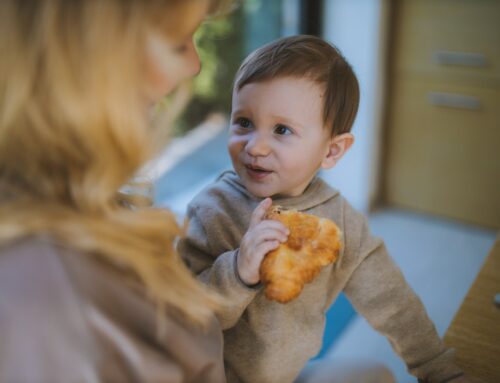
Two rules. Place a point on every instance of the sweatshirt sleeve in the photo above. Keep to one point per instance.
(379, 292)
(200, 249)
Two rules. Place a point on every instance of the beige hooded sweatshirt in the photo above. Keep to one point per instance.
(269, 342)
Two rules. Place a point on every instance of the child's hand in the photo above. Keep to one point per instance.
(261, 237)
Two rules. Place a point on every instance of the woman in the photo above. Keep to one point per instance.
(91, 290)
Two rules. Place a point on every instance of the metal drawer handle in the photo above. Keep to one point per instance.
(451, 100)
(459, 58)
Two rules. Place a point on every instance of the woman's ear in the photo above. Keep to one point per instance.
(339, 145)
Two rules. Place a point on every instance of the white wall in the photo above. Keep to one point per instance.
(358, 29)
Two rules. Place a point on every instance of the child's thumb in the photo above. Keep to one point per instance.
(260, 211)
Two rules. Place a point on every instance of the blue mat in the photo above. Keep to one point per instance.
(338, 316)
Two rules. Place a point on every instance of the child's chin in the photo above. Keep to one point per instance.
(259, 190)
(256, 192)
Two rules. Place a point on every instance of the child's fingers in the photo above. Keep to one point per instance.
(270, 223)
(260, 211)
(249, 269)
(266, 247)
(270, 232)
(271, 229)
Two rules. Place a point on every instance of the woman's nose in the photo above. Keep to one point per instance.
(258, 145)
(194, 62)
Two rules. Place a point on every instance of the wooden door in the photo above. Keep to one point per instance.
(443, 151)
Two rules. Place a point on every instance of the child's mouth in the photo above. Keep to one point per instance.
(256, 172)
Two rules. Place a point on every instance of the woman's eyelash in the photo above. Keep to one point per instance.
(181, 49)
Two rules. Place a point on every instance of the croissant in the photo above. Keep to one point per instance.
(312, 244)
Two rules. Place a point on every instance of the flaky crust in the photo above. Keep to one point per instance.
(312, 244)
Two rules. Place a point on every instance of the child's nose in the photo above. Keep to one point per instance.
(258, 145)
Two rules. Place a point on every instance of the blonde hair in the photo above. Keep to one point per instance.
(73, 130)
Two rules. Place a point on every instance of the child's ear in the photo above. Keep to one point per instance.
(339, 145)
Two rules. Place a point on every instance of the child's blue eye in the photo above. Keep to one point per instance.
(282, 130)
(243, 122)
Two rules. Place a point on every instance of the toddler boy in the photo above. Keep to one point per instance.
(294, 103)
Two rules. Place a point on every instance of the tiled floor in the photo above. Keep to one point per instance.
(440, 259)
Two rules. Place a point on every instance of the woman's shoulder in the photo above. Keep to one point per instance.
(27, 244)
(34, 277)
(36, 258)
(42, 315)
(72, 311)
(37, 266)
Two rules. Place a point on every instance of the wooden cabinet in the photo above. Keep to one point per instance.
(443, 152)
(453, 40)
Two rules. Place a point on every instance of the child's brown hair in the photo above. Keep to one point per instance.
(309, 57)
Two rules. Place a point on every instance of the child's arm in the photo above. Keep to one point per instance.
(232, 272)
(380, 293)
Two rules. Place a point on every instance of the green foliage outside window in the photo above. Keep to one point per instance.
(220, 47)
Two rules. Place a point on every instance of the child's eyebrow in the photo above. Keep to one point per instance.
(239, 111)
(287, 120)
